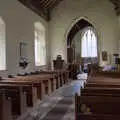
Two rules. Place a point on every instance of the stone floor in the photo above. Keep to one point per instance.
(58, 106)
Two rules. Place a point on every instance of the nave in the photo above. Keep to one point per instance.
(60, 105)
(45, 45)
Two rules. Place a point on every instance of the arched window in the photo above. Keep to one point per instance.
(89, 44)
(2, 44)
(40, 44)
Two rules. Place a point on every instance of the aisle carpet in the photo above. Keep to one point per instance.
(59, 110)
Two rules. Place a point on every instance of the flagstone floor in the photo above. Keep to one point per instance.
(58, 106)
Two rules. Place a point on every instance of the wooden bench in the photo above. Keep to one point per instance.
(107, 74)
(62, 76)
(56, 79)
(100, 91)
(30, 88)
(26, 85)
(110, 85)
(45, 79)
(103, 86)
(80, 116)
(13, 100)
(104, 79)
(101, 97)
(5, 108)
(97, 105)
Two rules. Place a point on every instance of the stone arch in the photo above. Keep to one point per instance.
(79, 24)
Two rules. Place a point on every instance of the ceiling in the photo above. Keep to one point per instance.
(44, 7)
(41, 7)
(117, 6)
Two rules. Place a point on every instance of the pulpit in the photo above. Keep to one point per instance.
(58, 63)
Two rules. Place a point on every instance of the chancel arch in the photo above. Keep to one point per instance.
(82, 42)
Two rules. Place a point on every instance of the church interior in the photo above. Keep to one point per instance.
(59, 59)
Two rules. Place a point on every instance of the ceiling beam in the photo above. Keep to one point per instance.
(54, 4)
(37, 9)
(42, 7)
(117, 6)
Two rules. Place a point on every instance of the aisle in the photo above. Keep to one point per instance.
(59, 110)
(58, 106)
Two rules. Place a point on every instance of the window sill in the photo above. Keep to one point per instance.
(40, 65)
(1, 70)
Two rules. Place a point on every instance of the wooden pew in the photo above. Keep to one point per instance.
(10, 98)
(80, 116)
(17, 103)
(55, 81)
(100, 81)
(103, 79)
(35, 79)
(62, 76)
(99, 106)
(99, 91)
(49, 81)
(5, 108)
(30, 88)
(101, 95)
(31, 85)
(45, 80)
(65, 75)
(111, 74)
(99, 87)
(103, 83)
(56, 75)
(22, 85)
(108, 85)
(115, 74)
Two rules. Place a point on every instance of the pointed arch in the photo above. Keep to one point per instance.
(80, 24)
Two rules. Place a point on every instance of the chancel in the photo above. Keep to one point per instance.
(59, 59)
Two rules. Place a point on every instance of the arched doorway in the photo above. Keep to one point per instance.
(87, 43)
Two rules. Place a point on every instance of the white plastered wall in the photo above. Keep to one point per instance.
(19, 28)
(100, 14)
(119, 33)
